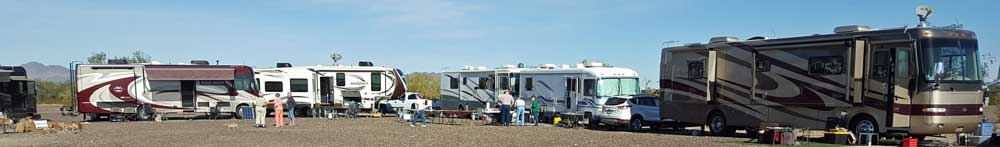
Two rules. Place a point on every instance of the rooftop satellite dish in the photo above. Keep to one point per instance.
(335, 57)
(924, 12)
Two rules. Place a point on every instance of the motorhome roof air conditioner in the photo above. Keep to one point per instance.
(365, 63)
(549, 66)
(723, 39)
(851, 28)
(280, 65)
(199, 62)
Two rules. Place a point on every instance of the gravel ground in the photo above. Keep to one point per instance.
(353, 132)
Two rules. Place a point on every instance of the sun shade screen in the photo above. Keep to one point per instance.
(189, 73)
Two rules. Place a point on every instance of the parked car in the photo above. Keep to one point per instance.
(631, 112)
(406, 102)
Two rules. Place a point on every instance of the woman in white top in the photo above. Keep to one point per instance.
(519, 103)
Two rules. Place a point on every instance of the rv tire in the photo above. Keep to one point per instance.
(718, 126)
(239, 111)
(863, 124)
(144, 112)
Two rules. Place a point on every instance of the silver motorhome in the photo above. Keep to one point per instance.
(921, 81)
(561, 89)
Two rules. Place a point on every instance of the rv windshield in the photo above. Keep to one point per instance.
(959, 60)
(617, 87)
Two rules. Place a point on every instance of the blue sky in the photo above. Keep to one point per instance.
(436, 35)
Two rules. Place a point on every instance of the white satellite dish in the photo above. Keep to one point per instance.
(924, 11)
(335, 57)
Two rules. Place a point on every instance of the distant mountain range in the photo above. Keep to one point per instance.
(41, 72)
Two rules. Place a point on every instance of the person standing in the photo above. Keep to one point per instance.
(535, 109)
(279, 111)
(260, 112)
(519, 103)
(421, 114)
(505, 101)
(291, 109)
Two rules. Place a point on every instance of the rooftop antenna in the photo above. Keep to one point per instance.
(924, 12)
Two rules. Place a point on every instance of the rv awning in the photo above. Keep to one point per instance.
(189, 73)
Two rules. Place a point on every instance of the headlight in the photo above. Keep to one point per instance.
(934, 110)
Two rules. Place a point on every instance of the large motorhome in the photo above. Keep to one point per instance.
(17, 93)
(920, 81)
(313, 86)
(143, 90)
(564, 89)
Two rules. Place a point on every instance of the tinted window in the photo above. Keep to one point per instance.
(413, 97)
(272, 86)
(696, 70)
(529, 84)
(340, 79)
(299, 85)
(614, 101)
(376, 81)
(453, 83)
(828, 65)
(648, 101)
(589, 87)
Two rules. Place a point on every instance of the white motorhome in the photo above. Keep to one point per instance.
(142, 90)
(579, 89)
(313, 86)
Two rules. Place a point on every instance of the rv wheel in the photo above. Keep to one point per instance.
(240, 111)
(144, 112)
(863, 124)
(717, 125)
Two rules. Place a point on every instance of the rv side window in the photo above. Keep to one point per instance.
(570, 84)
(272, 86)
(529, 84)
(903, 62)
(299, 85)
(453, 83)
(589, 87)
(484, 83)
(340, 79)
(880, 66)
(826, 65)
(376, 81)
(696, 70)
(212, 82)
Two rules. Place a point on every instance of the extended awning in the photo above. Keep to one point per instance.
(181, 73)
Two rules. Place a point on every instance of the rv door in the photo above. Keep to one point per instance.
(710, 70)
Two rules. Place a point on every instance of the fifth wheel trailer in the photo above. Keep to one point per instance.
(142, 90)
(324, 85)
(17, 93)
(920, 81)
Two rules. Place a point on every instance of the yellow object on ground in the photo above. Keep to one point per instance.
(556, 120)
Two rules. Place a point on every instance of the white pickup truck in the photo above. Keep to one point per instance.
(406, 102)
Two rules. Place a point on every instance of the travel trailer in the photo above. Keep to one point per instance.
(142, 90)
(323, 85)
(920, 81)
(580, 89)
(17, 93)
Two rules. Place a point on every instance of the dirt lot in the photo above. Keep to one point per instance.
(354, 132)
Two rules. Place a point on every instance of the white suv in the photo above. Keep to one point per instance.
(406, 102)
(633, 112)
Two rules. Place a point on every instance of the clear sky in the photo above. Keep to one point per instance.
(437, 35)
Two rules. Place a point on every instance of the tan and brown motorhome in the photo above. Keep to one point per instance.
(920, 81)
